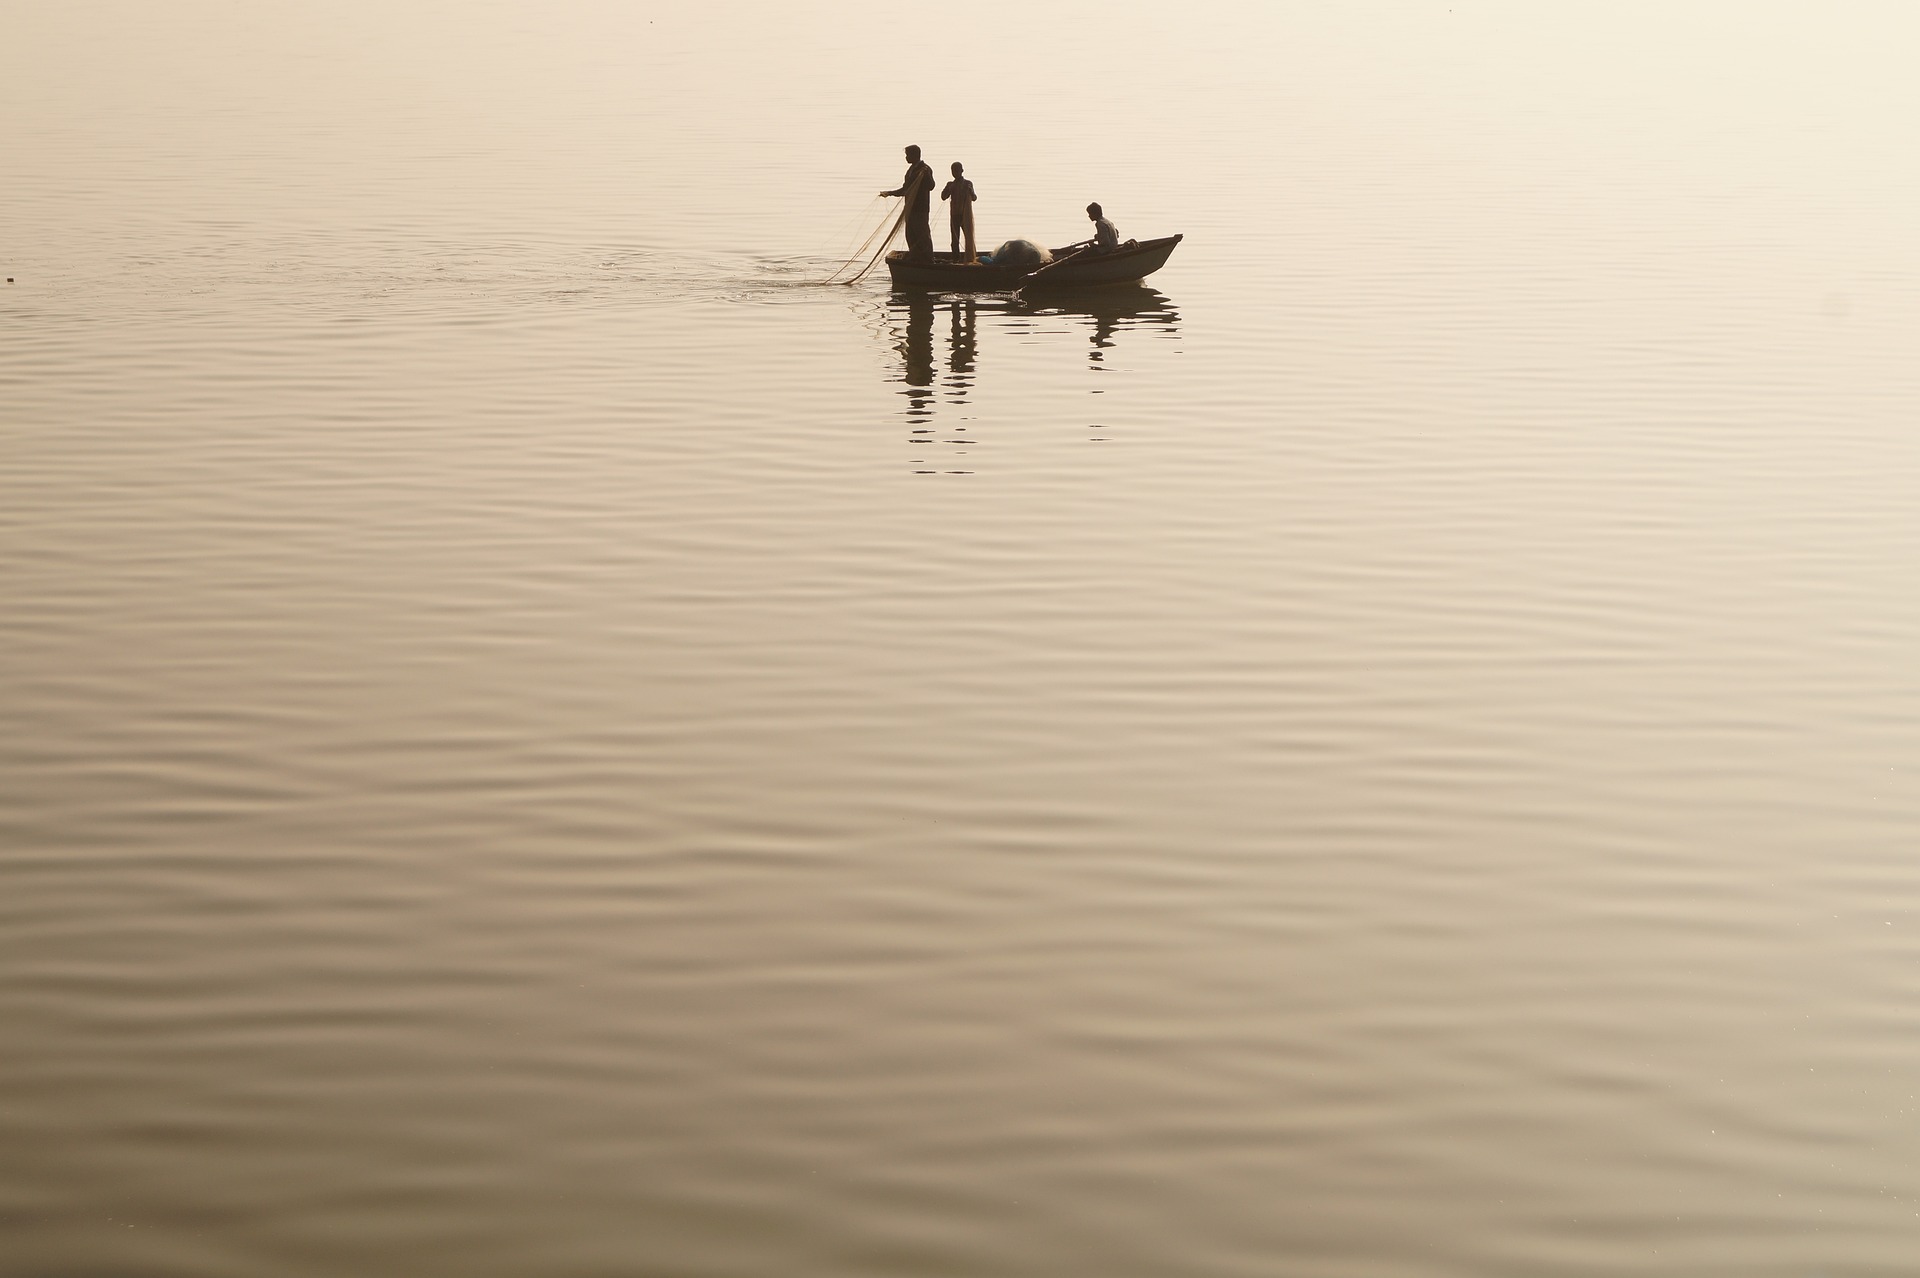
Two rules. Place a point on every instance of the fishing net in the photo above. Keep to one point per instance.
(890, 224)
(1021, 253)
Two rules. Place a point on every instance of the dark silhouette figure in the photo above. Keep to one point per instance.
(1106, 238)
(917, 190)
(960, 212)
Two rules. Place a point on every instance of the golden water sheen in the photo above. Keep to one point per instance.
(539, 742)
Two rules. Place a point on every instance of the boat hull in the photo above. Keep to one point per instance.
(951, 273)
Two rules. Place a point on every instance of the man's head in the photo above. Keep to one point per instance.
(1093, 212)
(913, 155)
(957, 170)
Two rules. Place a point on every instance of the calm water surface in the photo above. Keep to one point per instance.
(540, 741)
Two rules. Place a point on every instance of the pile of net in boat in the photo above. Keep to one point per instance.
(1020, 253)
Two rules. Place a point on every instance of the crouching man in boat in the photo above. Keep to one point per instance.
(917, 190)
(1106, 237)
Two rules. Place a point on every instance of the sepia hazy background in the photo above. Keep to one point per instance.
(539, 741)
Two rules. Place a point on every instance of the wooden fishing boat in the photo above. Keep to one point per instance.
(952, 273)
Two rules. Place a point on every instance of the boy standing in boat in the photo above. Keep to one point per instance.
(960, 213)
(917, 190)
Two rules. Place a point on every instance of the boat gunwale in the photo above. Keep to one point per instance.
(945, 272)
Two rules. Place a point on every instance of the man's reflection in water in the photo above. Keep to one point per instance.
(962, 340)
(1103, 327)
(917, 349)
(1107, 312)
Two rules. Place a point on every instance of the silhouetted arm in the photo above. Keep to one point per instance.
(907, 187)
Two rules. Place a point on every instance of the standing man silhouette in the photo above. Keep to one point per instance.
(917, 190)
(960, 212)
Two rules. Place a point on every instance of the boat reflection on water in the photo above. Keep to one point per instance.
(1108, 311)
(912, 319)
